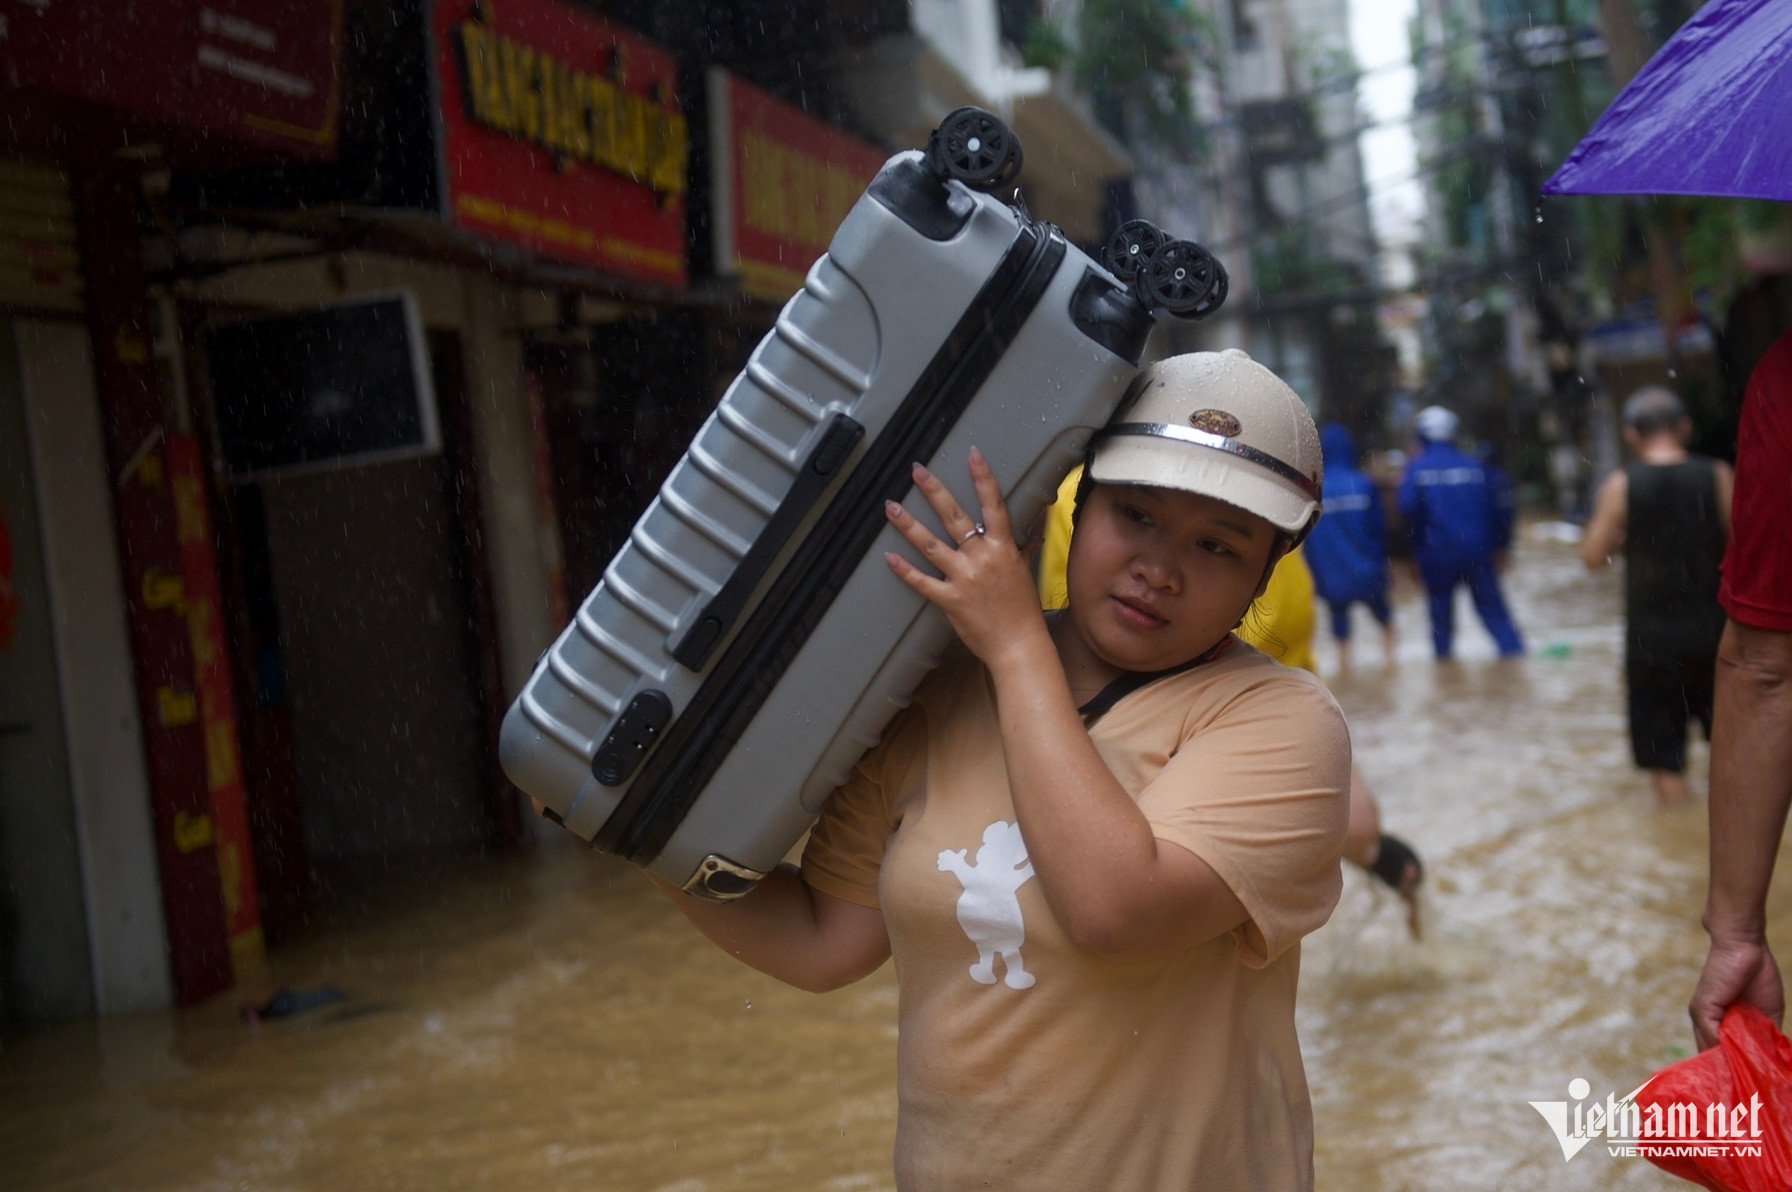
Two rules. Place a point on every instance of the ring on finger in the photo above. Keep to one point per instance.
(976, 531)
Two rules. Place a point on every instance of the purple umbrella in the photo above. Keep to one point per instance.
(1711, 114)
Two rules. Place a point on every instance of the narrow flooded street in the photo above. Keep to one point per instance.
(546, 1021)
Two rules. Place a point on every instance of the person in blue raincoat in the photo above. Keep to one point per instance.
(1348, 550)
(1505, 497)
(1461, 526)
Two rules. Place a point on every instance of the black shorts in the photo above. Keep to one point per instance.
(1667, 688)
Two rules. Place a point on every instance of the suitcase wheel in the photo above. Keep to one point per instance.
(1183, 278)
(976, 148)
(1217, 298)
(1131, 246)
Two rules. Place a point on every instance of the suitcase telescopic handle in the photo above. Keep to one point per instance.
(696, 643)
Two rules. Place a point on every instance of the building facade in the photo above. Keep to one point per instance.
(344, 342)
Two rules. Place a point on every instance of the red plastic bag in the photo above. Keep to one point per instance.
(1718, 1105)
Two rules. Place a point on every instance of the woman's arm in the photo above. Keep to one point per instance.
(1113, 886)
(787, 929)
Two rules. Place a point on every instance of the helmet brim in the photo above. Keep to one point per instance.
(1162, 463)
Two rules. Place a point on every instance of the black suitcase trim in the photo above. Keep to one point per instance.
(922, 201)
(694, 746)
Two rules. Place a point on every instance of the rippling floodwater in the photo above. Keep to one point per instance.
(546, 1021)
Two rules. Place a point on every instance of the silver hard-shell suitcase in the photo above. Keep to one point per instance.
(748, 643)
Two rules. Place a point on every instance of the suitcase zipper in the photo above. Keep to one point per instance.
(693, 747)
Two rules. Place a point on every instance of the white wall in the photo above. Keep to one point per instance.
(507, 482)
(966, 34)
(116, 837)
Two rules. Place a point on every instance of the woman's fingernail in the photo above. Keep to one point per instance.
(892, 509)
(921, 471)
(976, 456)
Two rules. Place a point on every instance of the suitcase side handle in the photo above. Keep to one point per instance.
(693, 646)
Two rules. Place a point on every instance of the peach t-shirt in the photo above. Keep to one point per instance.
(1026, 1063)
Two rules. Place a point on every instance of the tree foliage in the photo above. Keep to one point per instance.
(1136, 57)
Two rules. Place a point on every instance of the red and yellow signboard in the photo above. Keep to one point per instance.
(562, 134)
(260, 72)
(217, 706)
(209, 898)
(783, 182)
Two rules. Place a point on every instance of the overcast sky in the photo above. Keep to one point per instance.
(1378, 34)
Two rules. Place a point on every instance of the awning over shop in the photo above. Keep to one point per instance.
(188, 81)
(529, 136)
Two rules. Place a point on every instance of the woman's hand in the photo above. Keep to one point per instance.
(985, 587)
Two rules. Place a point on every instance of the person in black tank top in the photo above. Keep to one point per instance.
(1669, 512)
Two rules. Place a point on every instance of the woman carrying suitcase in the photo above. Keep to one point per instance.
(1094, 842)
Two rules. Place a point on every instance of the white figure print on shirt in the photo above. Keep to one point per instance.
(989, 908)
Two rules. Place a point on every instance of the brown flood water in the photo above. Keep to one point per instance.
(546, 1021)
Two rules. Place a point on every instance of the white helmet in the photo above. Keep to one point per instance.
(1436, 424)
(1218, 424)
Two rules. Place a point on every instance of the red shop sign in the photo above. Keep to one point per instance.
(224, 784)
(783, 182)
(262, 72)
(562, 133)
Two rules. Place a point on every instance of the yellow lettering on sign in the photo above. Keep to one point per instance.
(574, 131)
(582, 116)
(792, 195)
(162, 590)
(222, 764)
(193, 832)
(202, 629)
(176, 709)
(519, 89)
(249, 960)
(149, 470)
(230, 876)
(189, 510)
(131, 347)
(475, 68)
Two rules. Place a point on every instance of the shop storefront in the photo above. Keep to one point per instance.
(309, 653)
(385, 606)
(622, 393)
(129, 872)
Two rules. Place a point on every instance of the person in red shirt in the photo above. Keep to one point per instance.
(1751, 738)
